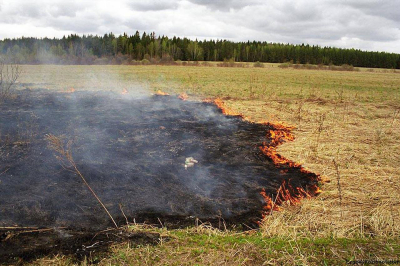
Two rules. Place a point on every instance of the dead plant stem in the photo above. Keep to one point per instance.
(338, 181)
(94, 194)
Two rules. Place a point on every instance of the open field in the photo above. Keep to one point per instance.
(347, 130)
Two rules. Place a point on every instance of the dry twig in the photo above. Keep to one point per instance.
(67, 162)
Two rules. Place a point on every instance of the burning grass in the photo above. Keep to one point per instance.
(286, 193)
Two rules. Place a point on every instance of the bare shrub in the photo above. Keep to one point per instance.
(9, 74)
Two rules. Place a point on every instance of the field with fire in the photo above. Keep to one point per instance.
(200, 164)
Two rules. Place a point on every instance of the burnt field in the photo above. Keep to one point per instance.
(132, 151)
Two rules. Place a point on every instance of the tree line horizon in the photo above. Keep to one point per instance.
(128, 49)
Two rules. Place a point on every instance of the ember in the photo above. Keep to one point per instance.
(132, 153)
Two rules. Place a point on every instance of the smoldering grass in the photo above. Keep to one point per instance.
(64, 156)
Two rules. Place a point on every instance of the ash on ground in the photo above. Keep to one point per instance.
(131, 151)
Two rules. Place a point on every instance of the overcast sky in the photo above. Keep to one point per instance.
(364, 24)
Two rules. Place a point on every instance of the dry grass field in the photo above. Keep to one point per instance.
(347, 129)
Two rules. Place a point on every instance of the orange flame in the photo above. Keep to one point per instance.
(70, 90)
(225, 110)
(183, 96)
(161, 93)
(279, 134)
(289, 195)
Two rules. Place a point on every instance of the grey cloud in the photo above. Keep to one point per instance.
(225, 5)
(32, 11)
(388, 9)
(156, 5)
(64, 10)
(78, 26)
(84, 22)
(364, 23)
(305, 20)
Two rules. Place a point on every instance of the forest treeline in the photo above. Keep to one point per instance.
(149, 48)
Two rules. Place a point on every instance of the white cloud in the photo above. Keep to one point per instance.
(364, 24)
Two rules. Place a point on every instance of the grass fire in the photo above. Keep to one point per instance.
(125, 164)
(133, 152)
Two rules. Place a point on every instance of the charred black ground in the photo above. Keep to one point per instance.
(132, 152)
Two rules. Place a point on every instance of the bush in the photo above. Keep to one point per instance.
(154, 61)
(347, 67)
(229, 63)
(286, 65)
(145, 62)
(166, 60)
(194, 63)
(258, 64)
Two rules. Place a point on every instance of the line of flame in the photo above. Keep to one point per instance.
(183, 96)
(69, 90)
(161, 93)
(279, 134)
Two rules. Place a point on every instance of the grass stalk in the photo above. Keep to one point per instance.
(67, 162)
